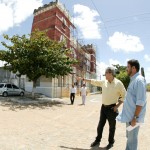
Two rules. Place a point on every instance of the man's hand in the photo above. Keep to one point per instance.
(115, 108)
(133, 122)
(79, 78)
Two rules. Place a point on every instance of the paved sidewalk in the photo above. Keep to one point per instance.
(60, 126)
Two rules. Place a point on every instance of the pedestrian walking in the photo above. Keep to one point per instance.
(83, 93)
(72, 94)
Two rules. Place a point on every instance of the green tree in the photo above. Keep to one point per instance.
(121, 74)
(35, 55)
(148, 87)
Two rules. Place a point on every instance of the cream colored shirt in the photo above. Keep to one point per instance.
(110, 91)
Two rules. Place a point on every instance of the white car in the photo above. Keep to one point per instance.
(10, 89)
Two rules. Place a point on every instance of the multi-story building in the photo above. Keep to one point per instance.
(10, 77)
(56, 21)
(88, 63)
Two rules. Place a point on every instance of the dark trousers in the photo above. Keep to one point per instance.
(107, 113)
(72, 97)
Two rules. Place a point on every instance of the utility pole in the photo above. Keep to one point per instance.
(142, 72)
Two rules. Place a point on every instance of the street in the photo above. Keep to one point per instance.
(60, 127)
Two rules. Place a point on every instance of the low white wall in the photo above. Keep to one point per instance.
(28, 86)
(45, 89)
(45, 84)
(49, 91)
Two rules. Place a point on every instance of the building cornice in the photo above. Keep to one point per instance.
(50, 6)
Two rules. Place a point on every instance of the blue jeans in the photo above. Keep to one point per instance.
(132, 138)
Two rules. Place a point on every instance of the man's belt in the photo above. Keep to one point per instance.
(111, 105)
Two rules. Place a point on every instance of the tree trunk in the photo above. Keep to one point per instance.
(33, 89)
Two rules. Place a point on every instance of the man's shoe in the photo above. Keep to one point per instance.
(95, 143)
(109, 146)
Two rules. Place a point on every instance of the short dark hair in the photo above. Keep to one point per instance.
(135, 63)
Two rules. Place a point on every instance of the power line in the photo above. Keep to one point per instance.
(126, 17)
(124, 22)
(100, 17)
(97, 57)
(112, 20)
(127, 23)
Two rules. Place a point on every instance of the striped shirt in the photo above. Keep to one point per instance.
(136, 95)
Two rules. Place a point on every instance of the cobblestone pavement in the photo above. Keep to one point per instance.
(61, 127)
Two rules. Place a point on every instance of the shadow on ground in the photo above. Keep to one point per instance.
(20, 103)
(93, 148)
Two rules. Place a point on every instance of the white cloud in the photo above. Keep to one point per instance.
(147, 74)
(14, 12)
(147, 57)
(126, 43)
(114, 62)
(2, 63)
(85, 19)
(148, 69)
(101, 67)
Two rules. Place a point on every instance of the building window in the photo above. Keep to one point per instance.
(64, 24)
(73, 53)
(88, 68)
(63, 39)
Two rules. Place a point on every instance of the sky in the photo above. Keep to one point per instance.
(118, 29)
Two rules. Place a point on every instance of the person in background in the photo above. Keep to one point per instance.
(113, 93)
(72, 94)
(83, 82)
(83, 93)
(134, 107)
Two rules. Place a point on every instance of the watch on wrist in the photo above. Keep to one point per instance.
(135, 117)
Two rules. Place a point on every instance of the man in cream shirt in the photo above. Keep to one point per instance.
(113, 93)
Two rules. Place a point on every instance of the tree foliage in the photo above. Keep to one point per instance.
(121, 74)
(148, 87)
(35, 55)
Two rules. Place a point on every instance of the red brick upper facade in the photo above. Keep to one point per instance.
(55, 20)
